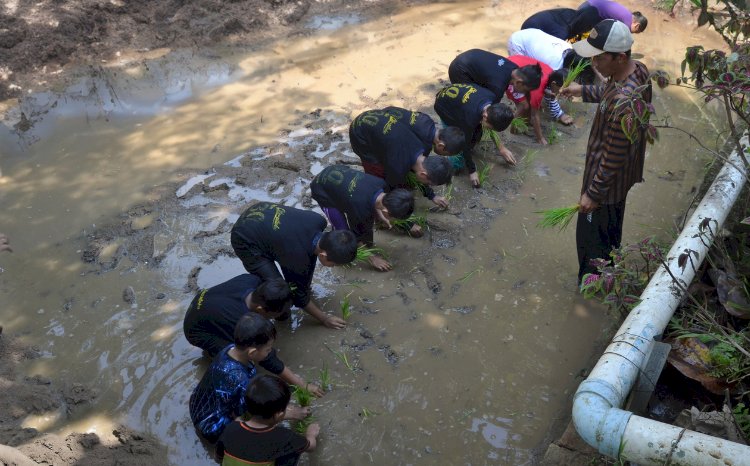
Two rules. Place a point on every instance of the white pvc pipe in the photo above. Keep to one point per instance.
(596, 405)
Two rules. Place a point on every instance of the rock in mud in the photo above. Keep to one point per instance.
(128, 295)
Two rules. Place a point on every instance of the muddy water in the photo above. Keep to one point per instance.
(468, 351)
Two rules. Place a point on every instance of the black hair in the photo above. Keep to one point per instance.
(499, 116)
(531, 75)
(453, 138)
(641, 20)
(558, 77)
(400, 203)
(253, 331)
(439, 170)
(339, 245)
(267, 395)
(274, 296)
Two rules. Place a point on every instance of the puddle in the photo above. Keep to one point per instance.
(331, 23)
(467, 352)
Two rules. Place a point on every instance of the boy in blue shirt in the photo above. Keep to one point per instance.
(220, 395)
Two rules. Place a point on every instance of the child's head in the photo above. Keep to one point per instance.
(450, 141)
(337, 247)
(498, 117)
(556, 80)
(399, 203)
(254, 336)
(272, 299)
(267, 397)
(526, 78)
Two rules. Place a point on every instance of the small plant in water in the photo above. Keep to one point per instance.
(342, 356)
(301, 426)
(483, 172)
(346, 309)
(470, 274)
(524, 164)
(405, 224)
(325, 378)
(559, 218)
(448, 192)
(553, 135)
(302, 396)
(366, 414)
(519, 125)
(364, 253)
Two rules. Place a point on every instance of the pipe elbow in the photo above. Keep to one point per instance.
(597, 416)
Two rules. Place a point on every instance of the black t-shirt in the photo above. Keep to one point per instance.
(563, 23)
(241, 444)
(286, 235)
(378, 137)
(462, 105)
(352, 193)
(489, 70)
(214, 312)
(419, 123)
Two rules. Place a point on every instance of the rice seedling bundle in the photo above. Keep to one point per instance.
(557, 218)
(576, 71)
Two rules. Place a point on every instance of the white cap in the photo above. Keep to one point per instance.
(607, 36)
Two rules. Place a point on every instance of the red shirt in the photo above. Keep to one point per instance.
(537, 95)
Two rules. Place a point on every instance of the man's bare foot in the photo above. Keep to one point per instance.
(296, 413)
(416, 231)
(566, 119)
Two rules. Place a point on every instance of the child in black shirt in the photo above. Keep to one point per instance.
(261, 440)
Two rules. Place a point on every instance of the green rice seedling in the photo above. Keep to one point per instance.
(325, 378)
(470, 274)
(448, 192)
(524, 164)
(420, 220)
(301, 426)
(366, 414)
(559, 218)
(302, 396)
(364, 253)
(553, 135)
(342, 356)
(346, 309)
(576, 71)
(484, 172)
(519, 125)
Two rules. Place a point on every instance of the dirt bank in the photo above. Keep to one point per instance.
(21, 397)
(38, 39)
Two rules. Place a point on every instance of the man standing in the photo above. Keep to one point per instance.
(614, 163)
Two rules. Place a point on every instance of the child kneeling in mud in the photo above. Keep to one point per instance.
(219, 397)
(260, 439)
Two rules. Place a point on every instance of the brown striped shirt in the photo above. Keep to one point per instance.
(613, 163)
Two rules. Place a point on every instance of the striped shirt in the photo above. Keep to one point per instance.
(613, 163)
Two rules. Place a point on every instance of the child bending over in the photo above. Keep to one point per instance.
(220, 395)
(261, 440)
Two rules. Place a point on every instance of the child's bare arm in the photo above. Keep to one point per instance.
(312, 436)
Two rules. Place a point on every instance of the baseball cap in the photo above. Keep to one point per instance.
(607, 36)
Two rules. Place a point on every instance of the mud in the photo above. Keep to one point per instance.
(40, 396)
(119, 211)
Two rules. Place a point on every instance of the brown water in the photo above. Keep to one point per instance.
(479, 370)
